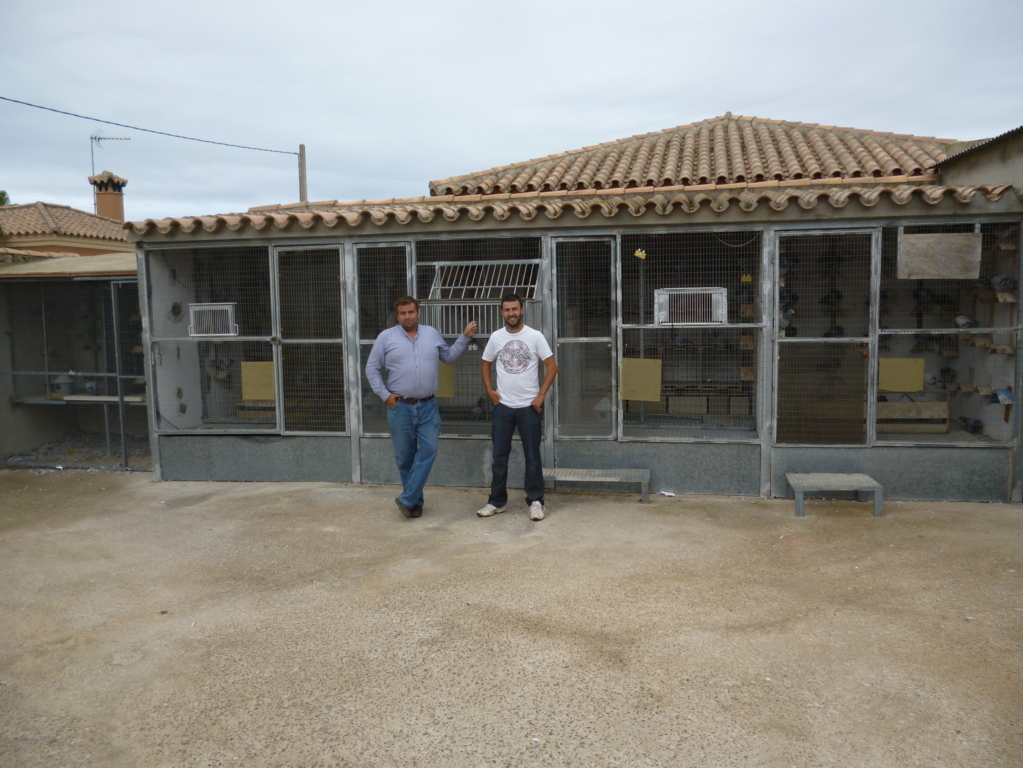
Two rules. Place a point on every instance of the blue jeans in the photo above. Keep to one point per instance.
(503, 423)
(415, 435)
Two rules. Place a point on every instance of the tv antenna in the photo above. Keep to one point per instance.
(95, 141)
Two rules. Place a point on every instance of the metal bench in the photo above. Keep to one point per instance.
(562, 475)
(829, 481)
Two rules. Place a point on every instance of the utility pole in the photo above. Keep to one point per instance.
(303, 194)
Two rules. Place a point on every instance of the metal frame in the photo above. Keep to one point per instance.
(279, 342)
(766, 386)
(613, 243)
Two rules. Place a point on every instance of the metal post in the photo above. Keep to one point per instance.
(116, 310)
(302, 192)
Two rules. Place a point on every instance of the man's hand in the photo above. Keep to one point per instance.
(495, 398)
(470, 329)
(392, 400)
(538, 403)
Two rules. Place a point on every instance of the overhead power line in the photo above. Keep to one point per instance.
(147, 130)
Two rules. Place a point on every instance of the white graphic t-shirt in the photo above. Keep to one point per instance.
(517, 357)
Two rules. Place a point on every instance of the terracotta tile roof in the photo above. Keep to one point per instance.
(806, 194)
(50, 219)
(722, 150)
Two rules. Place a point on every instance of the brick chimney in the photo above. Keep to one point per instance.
(109, 194)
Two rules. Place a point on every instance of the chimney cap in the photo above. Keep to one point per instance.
(108, 182)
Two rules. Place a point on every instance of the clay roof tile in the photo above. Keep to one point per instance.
(718, 150)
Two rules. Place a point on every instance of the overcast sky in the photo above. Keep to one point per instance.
(388, 96)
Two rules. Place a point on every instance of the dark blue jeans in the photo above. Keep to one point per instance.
(415, 434)
(503, 424)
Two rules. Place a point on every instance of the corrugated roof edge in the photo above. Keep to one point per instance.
(978, 145)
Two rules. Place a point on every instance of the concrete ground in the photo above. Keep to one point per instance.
(258, 624)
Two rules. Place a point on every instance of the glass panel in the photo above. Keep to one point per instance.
(944, 388)
(585, 389)
(314, 387)
(707, 386)
(729, 260)
(822, 393)
(310, 294)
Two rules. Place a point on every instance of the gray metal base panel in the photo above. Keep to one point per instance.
(272, 458)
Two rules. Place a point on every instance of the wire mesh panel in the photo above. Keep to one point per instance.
(985, 299)
(822, 393)
(309, 287)
(474, 249)
(131, 365)
(586, 395)
(28, 340)
(312, 308)
(314, 387)
(584, 289)
(215, 385)
(464, 406)
(382, 279)
(585, 353)
(212, 382)
(461, 280)
(179, 279)
(726, 260)
(77, 344)
(706, 386)
(946, 387)
(824, 286)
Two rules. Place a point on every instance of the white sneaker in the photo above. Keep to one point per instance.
(489, 510)
(536, 511)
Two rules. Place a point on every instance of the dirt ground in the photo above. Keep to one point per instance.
(309, 624)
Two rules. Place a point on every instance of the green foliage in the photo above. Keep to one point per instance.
(4, 199)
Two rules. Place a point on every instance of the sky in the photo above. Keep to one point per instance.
(387, 96)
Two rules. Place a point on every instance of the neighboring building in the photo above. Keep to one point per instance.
(49, 228)
(727, 300)
(72, 360)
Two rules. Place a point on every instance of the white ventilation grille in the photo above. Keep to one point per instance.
(472, 290)
(688, 306)
(212, 320)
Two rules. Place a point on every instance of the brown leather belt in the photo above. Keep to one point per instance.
(415, 400)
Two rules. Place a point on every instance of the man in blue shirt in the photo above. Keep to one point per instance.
(406, 355)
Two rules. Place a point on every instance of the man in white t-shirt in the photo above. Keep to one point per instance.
(517, 351)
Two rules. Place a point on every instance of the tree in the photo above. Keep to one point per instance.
(4, 199)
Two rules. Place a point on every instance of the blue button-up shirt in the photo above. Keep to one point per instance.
(410, 367)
